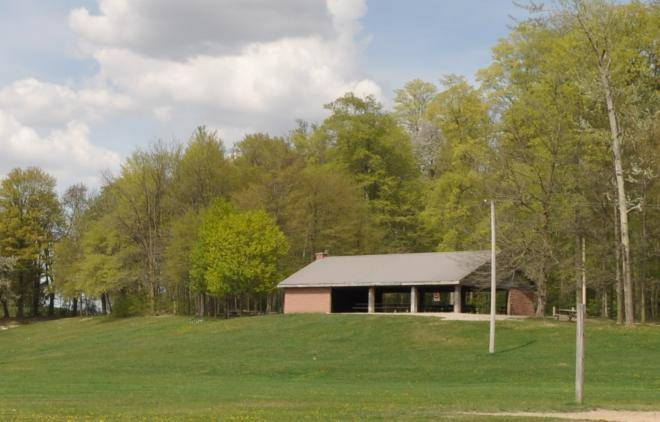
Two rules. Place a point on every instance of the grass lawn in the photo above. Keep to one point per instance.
(292, 367)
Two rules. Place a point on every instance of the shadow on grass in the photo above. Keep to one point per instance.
(511, 349)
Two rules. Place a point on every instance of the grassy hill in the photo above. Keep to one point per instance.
(315, 366)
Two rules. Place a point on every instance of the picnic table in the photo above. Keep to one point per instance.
(565, 314)
(363, 307)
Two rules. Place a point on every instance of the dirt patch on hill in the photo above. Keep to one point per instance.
(7, 326)
(591, 415)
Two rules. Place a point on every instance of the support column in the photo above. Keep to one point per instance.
(458, 300)
(413, 300)
(371, 308)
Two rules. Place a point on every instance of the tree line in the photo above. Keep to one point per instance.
(561, 130)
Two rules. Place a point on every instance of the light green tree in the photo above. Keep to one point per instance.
(203, 173)
(68, 249)
(238, 252)
(454, 215)
(143, 207)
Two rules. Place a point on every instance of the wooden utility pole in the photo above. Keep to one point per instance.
(579, 353)
(493, 267)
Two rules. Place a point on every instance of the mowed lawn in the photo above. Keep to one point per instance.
(292, 367)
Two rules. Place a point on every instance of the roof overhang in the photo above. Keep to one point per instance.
(359, 284)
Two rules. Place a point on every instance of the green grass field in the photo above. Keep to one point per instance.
(292, 367)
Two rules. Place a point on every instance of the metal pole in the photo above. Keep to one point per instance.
(579, 353)
(493, 267)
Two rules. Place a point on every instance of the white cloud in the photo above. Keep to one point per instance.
(178, 29)
(65, 153)
(38, 103)
(235, 65)
(274, 61)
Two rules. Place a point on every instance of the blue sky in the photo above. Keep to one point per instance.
(426, 38)
(83, 83)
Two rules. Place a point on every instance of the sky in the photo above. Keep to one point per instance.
(83, 83)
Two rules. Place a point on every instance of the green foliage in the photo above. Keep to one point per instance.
(68, 250)
(203, 173)
(178, 259)
(371, 146)
(237, 252)
(411, 103)
(110, 261)
(455, 215)
(181, 225)
(30, 216)
(325, 211)
(130, 305)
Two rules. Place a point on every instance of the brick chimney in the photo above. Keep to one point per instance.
(320, 255)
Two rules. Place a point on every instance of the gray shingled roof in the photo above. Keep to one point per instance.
(389, 270)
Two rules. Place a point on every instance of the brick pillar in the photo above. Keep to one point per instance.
(413, 300)
(371, 308)
(458, 300)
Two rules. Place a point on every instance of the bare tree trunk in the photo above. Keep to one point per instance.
(5, 309)
(621, 192)
(20, 299)
(642, 272)
(20, 307)
(201, 311)
(104, 309)
(541, 296)
(36, 296)
(151, 275)
(642, 300)
(75, 306)
(51, 304)
(654, 301)
(619, 281)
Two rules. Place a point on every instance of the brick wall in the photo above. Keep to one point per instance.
(307, 300)
(520, 302)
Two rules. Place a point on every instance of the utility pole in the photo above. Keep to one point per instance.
(584, 272)
(579, 353)
(493, 267)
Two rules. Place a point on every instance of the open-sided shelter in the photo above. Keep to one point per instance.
(407, 282)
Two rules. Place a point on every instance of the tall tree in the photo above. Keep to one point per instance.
(610, 49)
(369, 144)
(325, 212)
(29, 218)
(6, 273)
(537, 105)
(238, 252)
(203, 173)
(69, 249)
(411, 104)
(143, 193)
(454, 211)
